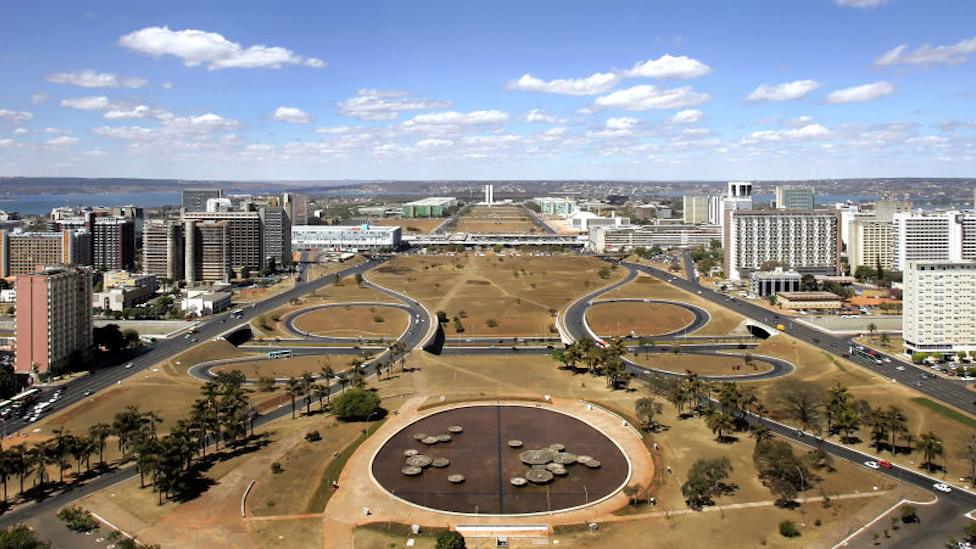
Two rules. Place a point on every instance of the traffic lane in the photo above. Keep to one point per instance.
(953, 393)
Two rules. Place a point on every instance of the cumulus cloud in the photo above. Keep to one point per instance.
(291, 114)
(62, 141)
(539, 116)
(434, 143)
(123, 113)
(646, 97)
(929, 55)
(38, 98)
(785, 91)
(91, 79)
(197, 47)
(20, 131)
(861, 4)
(808, 132)
(594, 84)
(857, 94)
(17, 117)
(369, 104)
(687, 116)
(452, 120)
(90, 103)
(669, 66)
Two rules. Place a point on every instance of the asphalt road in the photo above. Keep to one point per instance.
(165, 349)
(944, 390)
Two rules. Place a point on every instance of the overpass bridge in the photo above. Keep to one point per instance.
(487, 239)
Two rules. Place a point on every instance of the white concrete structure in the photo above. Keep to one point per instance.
(556, 205)
(604, 239)
(939, 306)
(947, 236)
(738, 196)
(583, 221)
(807, 241)
(764, 283)
(344, 237)
(489, 195)
(695, 209)
(870, 242)
(794, 197)
(205, 303)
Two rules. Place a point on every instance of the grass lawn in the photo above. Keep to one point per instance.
(289, 367)
(495, 296)
(495, 220)
(288, 533)
(410, 226)
(641, 319)
(700, 364)
(352, 321)
(324, 269)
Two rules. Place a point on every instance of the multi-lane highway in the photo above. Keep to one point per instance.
(948, 391)
(164, 349)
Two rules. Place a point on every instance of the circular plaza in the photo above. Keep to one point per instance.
(500, 459)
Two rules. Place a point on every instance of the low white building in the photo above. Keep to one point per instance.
(582, 221)
(8, 296)
(120, 298)
(205, 303)
(604, 239)
(355, 238)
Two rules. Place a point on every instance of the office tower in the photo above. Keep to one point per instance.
(54, 318)
(489, 195)
(794, 197)
(926, 237)
(939, 306)
(738, 196)
(695, 209)
(885, 210)
(870, 243)
(207, 255)
(113, 243)
(806, 241)
(135, 213)
(162, 249)
(195, 200)
(296, 207)
(276, 236)
(23, 253)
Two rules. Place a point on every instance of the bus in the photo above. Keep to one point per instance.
(281, 353)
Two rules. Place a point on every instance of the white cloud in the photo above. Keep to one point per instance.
(369, 104)
(452, 120)
(62, 141)
(123, 113)
(555, 132)
(21, 131)
(785, 91)
(856, 94)
(90, 103)
(621, 123)
(591, 85)
(16, 117)
(810, 131)
(862, 4)
(929, 55)
(647, 97)
(6, 142)
(539, 116)
(91, 79)
(291, 114)
(38, 98)
(166, 85)
(669, 66)
(335, 130)
(687, 116)
(197, 47)
(434, 143)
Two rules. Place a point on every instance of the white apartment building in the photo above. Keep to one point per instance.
(939, 306)
(695, 209)
(344, 237)
(870, 242)
(807, 241)
(947, 236)
(738, 196)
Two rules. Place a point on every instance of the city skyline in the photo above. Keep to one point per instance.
(826, 88)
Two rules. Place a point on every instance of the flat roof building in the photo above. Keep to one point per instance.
(794, 197)
(195, 200)
(807, 241)
(604, 239)
(555, 205)
(764, 283)
(809, 300)
(695, 209)
(435, 206)
(162, 248)
(26, 252)
(344, 237)
(242, 244)
(870, 244)
(53, 319)
(939, 306)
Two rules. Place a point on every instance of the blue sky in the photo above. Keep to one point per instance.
(543, 89)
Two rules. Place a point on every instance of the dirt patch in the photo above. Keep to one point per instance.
(640, 319)
(352, 321)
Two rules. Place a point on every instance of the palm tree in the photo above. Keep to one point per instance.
(293, 388)
(931, 447)
(20, 460)
(761, 433)
(720, 423)
(877, 420)
(98, 433)
(307, 382)
(897, 424)
(872, 328)
(6, 467)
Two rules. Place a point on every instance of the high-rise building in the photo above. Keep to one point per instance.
(885, 210)
(871, 243)
(807, 241)
(195, 200)
(162, 248)
(276, 235)
(207, 251)
(943, 236)
(939, 306)
(113, 243)
(296, 207)
(54, 318)
(695, 209)
(23, 253)
(244, 238)
(738, 196)
(794, 197)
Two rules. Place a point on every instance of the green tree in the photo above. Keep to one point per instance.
(647, 409)
(781, 470)
(450, 540)
(931, 447)
(706, 481)
(356, 404)
(21, 536)
(720, 423)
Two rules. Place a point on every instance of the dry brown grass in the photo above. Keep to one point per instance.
(352, 321)
(290, 367)
(700, 364)
(411, 226)
(641, 319)
(495, 220)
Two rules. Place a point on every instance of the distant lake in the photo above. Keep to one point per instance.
(42, 204)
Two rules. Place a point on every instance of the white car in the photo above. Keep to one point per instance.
(887, 359)
(900, 368)
(127, 366)
(942, 487)
(871, 464)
